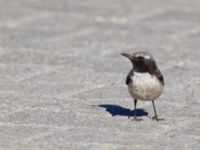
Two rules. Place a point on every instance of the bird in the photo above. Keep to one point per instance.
(145, 81)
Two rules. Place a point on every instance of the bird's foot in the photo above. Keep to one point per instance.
(136, 119)
(156, 118)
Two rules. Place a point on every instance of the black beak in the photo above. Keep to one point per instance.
(129, 56)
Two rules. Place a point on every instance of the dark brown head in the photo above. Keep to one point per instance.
(144, 62)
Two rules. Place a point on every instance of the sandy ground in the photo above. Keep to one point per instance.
(63, 80)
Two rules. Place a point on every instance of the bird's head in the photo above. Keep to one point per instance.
(142, 61)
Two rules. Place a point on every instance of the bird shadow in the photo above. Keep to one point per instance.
(116, 110)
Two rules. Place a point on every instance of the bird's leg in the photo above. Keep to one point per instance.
(156, 116)
(135, 115)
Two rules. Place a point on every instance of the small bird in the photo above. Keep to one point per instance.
(145, 81)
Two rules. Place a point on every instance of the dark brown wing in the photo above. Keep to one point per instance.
(128, 78)
(159, 75)
(153, 69)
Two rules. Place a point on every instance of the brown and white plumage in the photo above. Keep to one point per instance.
(145, 81)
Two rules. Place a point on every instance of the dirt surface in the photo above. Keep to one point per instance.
(63, 80)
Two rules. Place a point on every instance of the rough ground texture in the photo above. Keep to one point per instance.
(62, 79)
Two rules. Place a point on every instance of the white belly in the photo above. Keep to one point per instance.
(145, 87)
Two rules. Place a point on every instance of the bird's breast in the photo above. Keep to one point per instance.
(145, 86)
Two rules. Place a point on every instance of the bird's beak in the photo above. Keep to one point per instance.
(129, 56)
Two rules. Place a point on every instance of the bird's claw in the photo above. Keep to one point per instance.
(156, 118)
(136, 119)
